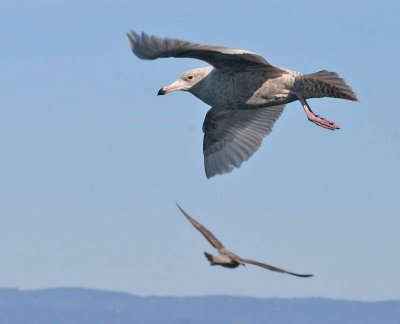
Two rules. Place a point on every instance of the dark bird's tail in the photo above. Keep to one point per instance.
(324, 84)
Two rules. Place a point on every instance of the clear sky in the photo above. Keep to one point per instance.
(92, 161)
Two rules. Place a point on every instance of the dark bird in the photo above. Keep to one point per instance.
(225, 257)
(247, 95)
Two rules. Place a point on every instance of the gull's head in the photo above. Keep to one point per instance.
(186, 81)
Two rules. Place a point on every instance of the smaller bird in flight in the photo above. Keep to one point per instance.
(226, 258)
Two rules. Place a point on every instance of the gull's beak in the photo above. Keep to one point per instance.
(177, 85)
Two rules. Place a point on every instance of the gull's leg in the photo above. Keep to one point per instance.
(315, 118)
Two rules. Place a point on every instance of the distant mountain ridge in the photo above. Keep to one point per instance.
(85, 306)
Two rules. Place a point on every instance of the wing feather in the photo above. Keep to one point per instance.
(232, 136)
(229, 59)
(204, 231)
(272, 268)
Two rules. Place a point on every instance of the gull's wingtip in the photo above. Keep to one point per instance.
(180, 208)
(301, 275)
(185, 213)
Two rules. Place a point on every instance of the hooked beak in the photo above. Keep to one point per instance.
(177, 85)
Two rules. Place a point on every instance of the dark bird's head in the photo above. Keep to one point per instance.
(210, 258)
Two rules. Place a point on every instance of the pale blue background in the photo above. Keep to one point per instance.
(92, 161)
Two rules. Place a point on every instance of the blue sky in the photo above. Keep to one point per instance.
(93, 161)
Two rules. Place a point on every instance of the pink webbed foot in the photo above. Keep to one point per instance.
(322, 122)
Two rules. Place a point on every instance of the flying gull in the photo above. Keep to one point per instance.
(225, 257)
(247, 95)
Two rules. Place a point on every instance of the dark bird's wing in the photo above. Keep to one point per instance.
(223, 58)
(206, 233)
(268, 267)
(231, 136)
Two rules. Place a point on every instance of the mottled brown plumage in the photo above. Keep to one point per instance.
(247, 95)
(226, 258)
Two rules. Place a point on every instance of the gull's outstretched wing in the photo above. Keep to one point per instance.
(206, 233)
(231, 136)
(268, 267)
(223, 58)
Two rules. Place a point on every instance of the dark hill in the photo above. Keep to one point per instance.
(77, 305)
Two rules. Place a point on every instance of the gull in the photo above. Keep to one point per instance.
(226, 258)
(246, 93)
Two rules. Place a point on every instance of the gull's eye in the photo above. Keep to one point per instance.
(190, 77)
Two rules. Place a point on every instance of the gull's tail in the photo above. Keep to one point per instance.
(324, 84)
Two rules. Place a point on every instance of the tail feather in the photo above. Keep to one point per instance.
(325, 84)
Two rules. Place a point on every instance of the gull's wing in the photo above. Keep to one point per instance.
(223, 58)
(268, 267)
(231, 136)
(206, 233)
